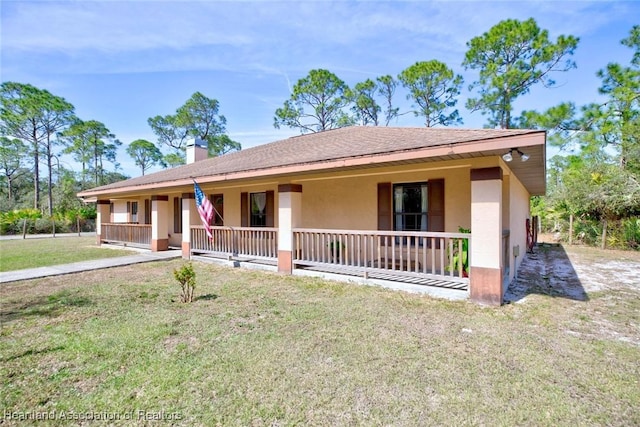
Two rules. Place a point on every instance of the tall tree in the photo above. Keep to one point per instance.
(616, 122)
(316, 104)
(58, 114)
(75, 140)
(34, 116)
(145, 154)
(365, 107)
(12, 154)
(222, 144)
(512, 57)
(199, 117)
(434, 88)
(93, 141)
(386, 88)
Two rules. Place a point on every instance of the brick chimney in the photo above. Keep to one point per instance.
(196, 150)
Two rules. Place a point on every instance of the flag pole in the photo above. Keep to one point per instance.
(212, 205)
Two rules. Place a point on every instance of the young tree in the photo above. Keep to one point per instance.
(198, 118)
(512, 57)
(145, 154)
(434, 88)
(316, 104)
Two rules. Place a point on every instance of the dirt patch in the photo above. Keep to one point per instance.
(574, 272)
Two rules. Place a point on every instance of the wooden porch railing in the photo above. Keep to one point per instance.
(254, 242)
(139, 234)
(398, 252)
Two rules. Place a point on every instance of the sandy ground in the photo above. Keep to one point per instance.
(574, 272)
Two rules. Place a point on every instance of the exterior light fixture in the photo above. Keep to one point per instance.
(507, 157)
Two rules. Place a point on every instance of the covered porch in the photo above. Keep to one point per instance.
(445, 209)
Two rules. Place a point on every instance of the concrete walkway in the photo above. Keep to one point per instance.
(47, 236)
(96, 264)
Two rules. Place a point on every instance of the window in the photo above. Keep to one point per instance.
(177, 215)
(258, 209)
(134, 212)
(217, 200)
(410, 207)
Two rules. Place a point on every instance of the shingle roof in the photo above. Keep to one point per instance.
(343, 143)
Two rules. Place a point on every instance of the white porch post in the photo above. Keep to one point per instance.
(103, 214)
(486, 228)
(159, 223)
(188, 204)
(289, 217)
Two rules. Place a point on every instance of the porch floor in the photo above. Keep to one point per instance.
(425, 285)
(389, 276)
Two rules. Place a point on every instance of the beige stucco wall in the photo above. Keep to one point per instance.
(519, 212)
(120, 213)
(349, 200)
(231, 195)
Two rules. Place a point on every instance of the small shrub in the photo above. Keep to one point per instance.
(186, 278)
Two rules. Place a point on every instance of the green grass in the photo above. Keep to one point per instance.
(31, 253)
(265, 349)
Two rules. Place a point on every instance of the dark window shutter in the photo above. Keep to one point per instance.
(147, 211)
(244, 209)
(436, 205)
(384, 206)
(177, 215)
(270, 209)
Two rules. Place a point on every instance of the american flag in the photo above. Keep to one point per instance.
(205, 209)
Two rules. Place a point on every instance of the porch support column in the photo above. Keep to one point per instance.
(102, 210)
(486, 231)
(289, 217)
(188, 205)
(159, 223)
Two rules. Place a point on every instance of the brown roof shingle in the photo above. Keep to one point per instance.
(343, 143)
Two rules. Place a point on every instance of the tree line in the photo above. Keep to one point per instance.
(595, 178)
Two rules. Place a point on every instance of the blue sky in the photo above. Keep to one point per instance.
(121, 62)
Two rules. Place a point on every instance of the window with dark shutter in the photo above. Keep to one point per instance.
(217, 200)
(177, 215)
(411, 206)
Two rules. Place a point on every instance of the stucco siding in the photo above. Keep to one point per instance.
(519, 212)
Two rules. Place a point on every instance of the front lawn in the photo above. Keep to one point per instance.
(32, 253)
(258, 348)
